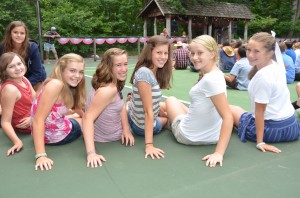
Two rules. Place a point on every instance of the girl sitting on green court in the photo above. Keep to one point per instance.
(56, 112)
(208, 119)
(272, 116)
(16, 94)
(105, 119)
(152, 73)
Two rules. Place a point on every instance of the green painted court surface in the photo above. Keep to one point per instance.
(246, 172)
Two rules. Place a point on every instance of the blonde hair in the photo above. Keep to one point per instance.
(73, 97)
(209, 43)
(296, 45)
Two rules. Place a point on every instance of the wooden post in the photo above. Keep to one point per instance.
(94, 48)
(229, 31)
(168, 24)
(190, 28)
(139, 47)
(155, 28)
(246, 31)
(145, 27)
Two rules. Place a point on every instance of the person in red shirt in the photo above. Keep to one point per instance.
(16, 94)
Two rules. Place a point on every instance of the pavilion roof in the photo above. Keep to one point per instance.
(156, 8)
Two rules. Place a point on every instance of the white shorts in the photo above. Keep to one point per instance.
(177, 132)
(48, 47)
(179, 135)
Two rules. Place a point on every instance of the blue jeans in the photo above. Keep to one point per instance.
(73, 135)
(138, 131)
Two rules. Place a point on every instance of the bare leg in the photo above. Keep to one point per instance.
(236, 113)
(298, 93)
(162, 110)
(296, 104)
(47, 55)
(175, 108)
(55, 54)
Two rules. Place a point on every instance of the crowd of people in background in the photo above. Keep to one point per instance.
(55, 110)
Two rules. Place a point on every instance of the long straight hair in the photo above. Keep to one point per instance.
(7, 42)
(164, 74)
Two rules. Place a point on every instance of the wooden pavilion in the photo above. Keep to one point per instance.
(215, 19)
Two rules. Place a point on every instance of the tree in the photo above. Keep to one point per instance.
(10, 11)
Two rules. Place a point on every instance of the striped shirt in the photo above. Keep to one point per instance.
(108, 125)
(136, 110)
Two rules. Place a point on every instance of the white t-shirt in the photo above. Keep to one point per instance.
(268, 86)
(203, 122)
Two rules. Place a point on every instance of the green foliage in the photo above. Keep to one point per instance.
(261, 24)
(10, 11)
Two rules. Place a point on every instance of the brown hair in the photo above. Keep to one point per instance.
(269, 44)
(5, 60)
(104, 71)
(163, 75)
(73, 97)
(7, 42)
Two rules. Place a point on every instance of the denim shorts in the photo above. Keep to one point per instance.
(138, 131)
(73, 135)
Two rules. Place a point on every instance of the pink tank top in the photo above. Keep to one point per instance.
(22, 106)
(57, 126)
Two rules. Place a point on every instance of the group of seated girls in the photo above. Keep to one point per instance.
(58, 114)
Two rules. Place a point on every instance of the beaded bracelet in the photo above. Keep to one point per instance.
(91, 152)
(260, 144)
(37, 156)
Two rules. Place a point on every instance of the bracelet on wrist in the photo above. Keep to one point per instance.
(90, 152)
(37, 156)
(148, 143)
(260, 144)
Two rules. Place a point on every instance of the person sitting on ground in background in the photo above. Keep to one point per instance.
(146, 112)
(105, 119)
(238, 77)
(57, 111)
(288, 63)
(16, 40)
(290, 51)
(181, 56)
(16, 94)
(297, 62)
(272, 117)
(227, 57)
(49, 44)
(235, 47)
(208, 120)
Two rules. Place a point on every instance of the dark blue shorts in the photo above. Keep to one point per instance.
(274, 131)
(73, 135)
